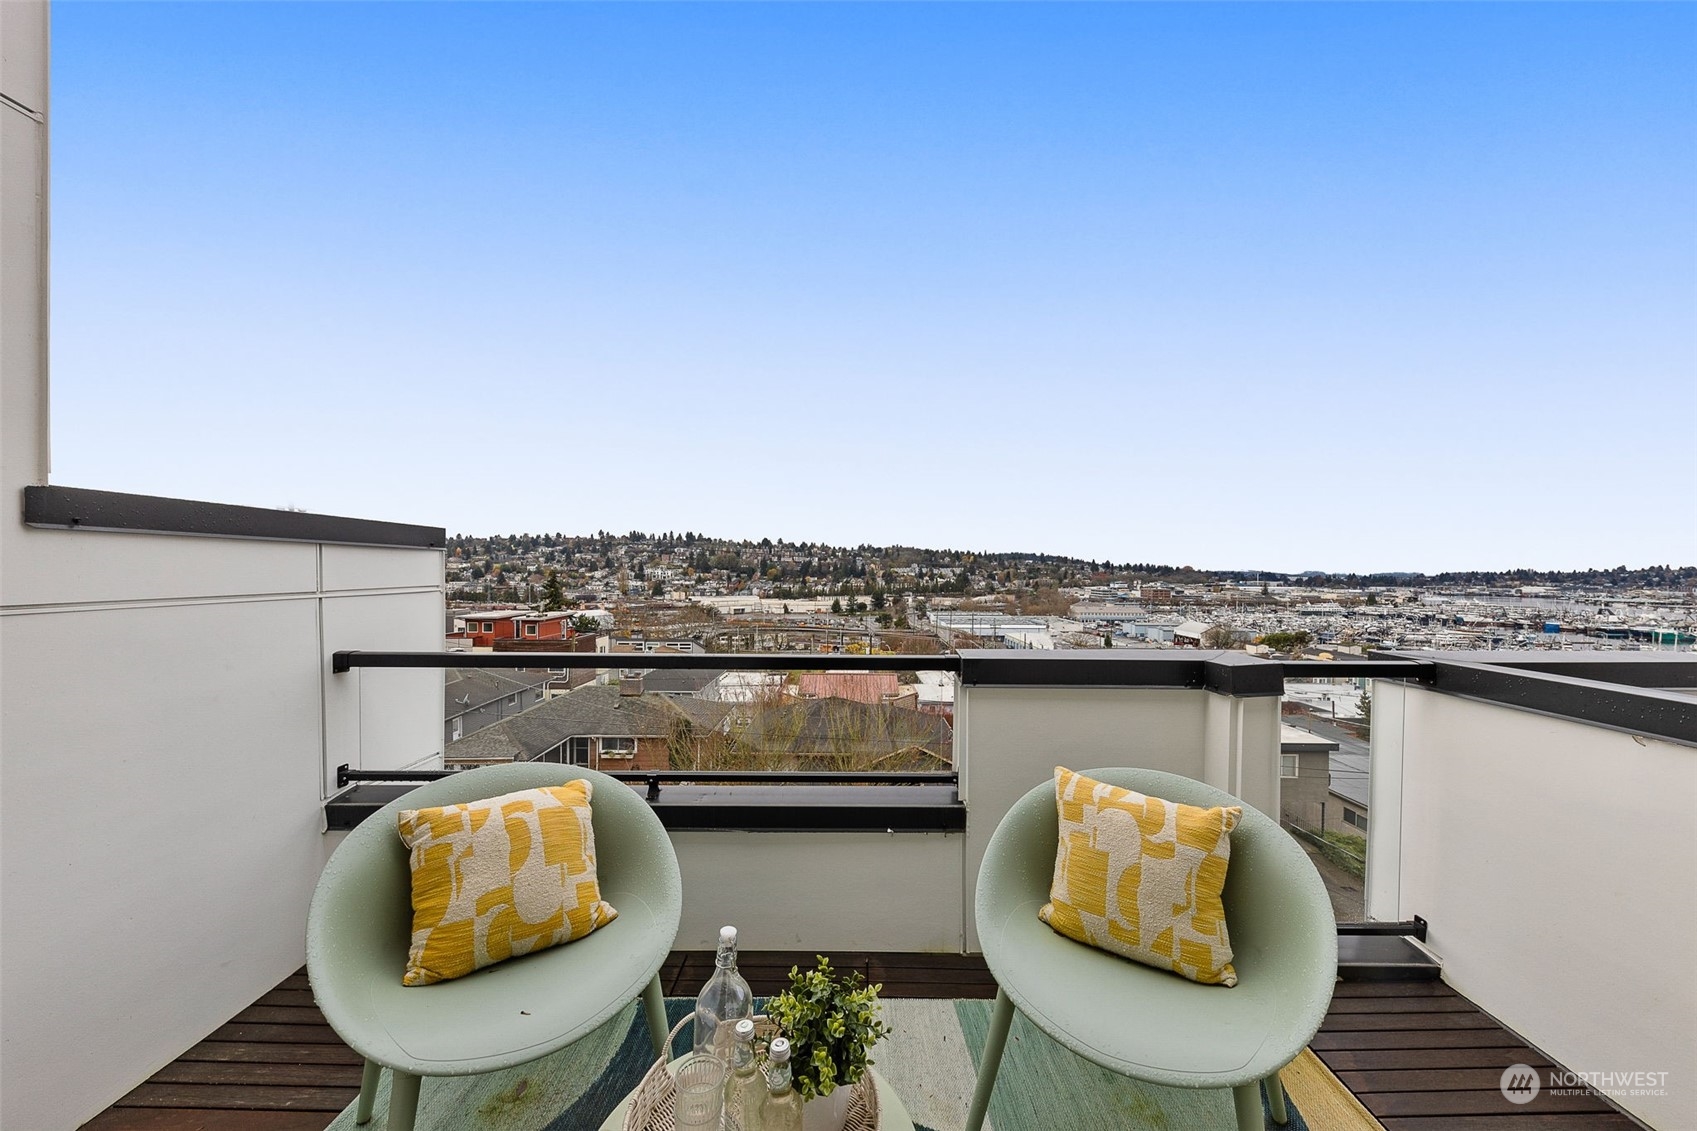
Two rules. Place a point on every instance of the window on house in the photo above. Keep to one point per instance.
(459, 728)
(488, 626)
(1351, 817)
(513, 702)
(530, 630)
(1287, 765)
(579, 748)
(618, 748)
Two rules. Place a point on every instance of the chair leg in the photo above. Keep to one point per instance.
(654, 1005)
(403, 1100)
(1000, 1020)
(367, 1092)
(1276, 1099)
(1247, 1099)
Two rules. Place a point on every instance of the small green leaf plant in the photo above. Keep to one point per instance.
(832, 1023)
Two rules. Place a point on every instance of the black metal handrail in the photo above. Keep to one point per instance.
(789, 777)
(346, 776)
(1180, 661)
(741, 661)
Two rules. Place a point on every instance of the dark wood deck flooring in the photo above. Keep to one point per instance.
(1421, 1057)
(1418, 1055)
(275, 1066)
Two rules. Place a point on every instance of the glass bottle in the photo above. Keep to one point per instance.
(780, 1107)
(723, 1001)
(746, 1086)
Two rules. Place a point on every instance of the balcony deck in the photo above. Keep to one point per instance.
(1417, 1056)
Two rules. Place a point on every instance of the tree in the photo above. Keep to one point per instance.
(837, 605)
(1219, 636)
(553, 597)
(1291, 642)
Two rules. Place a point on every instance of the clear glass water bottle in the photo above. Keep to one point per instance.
(780, 1107)
(747, 1084)
(723, 1001)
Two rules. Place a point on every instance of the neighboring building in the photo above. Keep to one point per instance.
(1154, 629)
(664, 647)
(743, 687)
(604, 727)
(689, 682)
(1189, 634)
(483, 629)
(862, 687)
(474, 698)
(999, 627)
(542, 626)
(602, 618)
(935, 694)
(1111, 614)
(1304, 776)
(1346, 800)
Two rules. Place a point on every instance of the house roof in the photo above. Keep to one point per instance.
(466, 689)
(863, 687)
(678, 681)
(1295, 740)
(595, 710)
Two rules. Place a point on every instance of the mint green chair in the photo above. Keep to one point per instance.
(360, 926)
(1150, 1024)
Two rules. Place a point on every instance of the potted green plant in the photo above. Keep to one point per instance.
(832, 1022)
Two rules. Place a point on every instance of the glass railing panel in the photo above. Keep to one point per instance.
(1324, 771)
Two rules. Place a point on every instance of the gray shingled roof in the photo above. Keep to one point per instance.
(678, 681)
(594, 710)
(466, 689)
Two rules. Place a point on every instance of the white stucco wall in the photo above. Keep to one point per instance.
(1009, 739)
(841, 891)
(1557, 865)
(163, 766)
(168, 724)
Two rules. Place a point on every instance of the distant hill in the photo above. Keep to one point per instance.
(798, 569)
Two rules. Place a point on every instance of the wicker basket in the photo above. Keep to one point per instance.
(652, 1105)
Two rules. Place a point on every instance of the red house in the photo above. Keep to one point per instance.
(541, 626)
(483, 629)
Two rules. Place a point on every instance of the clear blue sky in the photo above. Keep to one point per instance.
(1339, 286)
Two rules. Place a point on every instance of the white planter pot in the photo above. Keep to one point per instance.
(827, 1113)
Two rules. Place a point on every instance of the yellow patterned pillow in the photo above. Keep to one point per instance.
(495, 878)
(1142, 877)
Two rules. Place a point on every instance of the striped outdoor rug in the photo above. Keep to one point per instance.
(931, 1060)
